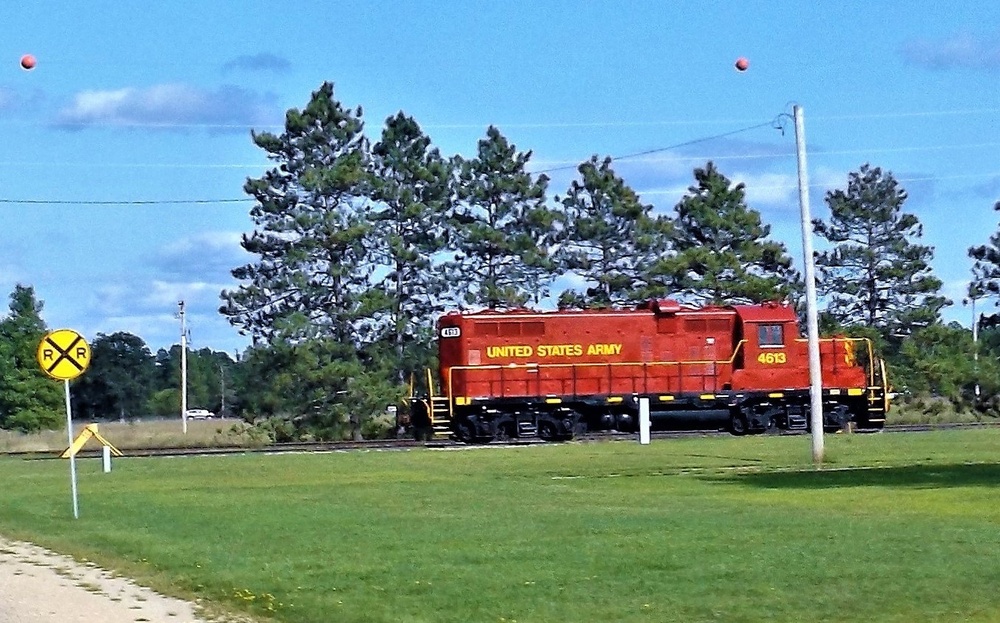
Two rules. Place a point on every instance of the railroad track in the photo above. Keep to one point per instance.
(401, 444)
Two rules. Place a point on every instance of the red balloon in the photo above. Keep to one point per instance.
(27, 62)
(742, 64)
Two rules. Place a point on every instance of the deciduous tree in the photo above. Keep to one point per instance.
(29, 400)
(119, 381)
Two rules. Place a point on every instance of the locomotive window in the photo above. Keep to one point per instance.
(533, 328)
(718, 324)
(770, 335)
(666, 324)
(486, 328)
(510, 329)
(695, 325)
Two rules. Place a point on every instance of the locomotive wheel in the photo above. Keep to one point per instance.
(738, 424)
(465, 432)
(504, 432)
(546, 430)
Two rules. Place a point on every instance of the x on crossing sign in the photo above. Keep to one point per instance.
(63, 354)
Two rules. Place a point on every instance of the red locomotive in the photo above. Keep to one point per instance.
(556, 374)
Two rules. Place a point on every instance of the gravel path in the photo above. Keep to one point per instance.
(39, 586)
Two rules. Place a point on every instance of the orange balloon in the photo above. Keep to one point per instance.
(27, 62)
(742, 64)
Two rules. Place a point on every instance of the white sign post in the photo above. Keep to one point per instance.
(72, 457)
(63, 355)
(644, 421)
(106, 459)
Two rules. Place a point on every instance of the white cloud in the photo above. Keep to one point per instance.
(149, 309)
(962, 50)
(170, 106)
(778, 190)
(666, 196)
(204, 256)
(212, 240)
(169, 293)
(259, 62)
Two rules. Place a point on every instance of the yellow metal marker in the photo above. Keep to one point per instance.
(89, 431)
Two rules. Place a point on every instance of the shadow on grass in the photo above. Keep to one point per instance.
(914, 476)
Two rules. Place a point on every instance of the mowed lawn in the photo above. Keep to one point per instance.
(895, 527)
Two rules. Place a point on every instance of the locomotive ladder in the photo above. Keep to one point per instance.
(438, 410)
(440, 417)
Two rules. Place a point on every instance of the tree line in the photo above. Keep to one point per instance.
(124, 380)
(359, 244)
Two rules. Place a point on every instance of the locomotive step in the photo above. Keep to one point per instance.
(526, 429)
(797, 422)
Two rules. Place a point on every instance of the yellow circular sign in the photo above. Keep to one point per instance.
(63, 354)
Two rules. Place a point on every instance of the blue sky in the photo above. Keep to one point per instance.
(133, 102)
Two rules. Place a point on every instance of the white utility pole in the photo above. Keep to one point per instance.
(975, 344)
(222, 409)
(184, 371)
(812, 321)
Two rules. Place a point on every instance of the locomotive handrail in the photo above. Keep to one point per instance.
(615, 364)
(870, 371)
(589, 364)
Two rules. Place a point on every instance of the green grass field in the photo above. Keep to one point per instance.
(896, 527)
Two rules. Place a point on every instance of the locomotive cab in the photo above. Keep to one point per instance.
(776, 373)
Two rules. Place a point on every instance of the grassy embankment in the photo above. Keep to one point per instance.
(236, 433)
(138, 434)
(896, 527)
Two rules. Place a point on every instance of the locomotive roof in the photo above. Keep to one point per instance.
(773, 312)
(768, 312)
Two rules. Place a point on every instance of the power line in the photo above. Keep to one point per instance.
(135, 165)
(113, 202)
(569, 165)
(547, 163)
(221, 201)
(677, 146)
(610, 123)
(903, 115)
(793, 185)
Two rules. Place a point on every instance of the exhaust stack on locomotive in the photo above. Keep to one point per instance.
(557, 374)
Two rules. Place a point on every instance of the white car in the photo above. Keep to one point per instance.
(199, 414)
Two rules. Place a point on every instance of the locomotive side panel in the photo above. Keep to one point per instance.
(586, 353)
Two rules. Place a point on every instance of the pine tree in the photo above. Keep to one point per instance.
(986, 269)
(610, 239)
(29, 400)
(722, 254)
(499, 228)
(310, 291)
(313, 272)
(876, 274)
(411, 194)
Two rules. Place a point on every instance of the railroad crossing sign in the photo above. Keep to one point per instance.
(63, 354)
